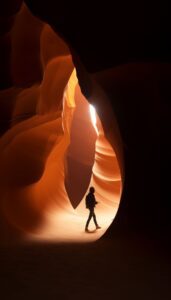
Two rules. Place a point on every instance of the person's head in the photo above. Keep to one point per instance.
(92, 189)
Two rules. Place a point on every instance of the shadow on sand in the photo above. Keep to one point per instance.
(67, 271)
(91, 231)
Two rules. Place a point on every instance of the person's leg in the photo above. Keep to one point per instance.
(94, 218)
(95, 221)
(89, 218)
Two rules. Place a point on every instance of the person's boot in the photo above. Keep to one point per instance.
(86, 229)
(98, 227)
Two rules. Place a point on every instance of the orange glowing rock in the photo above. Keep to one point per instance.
(52, 152)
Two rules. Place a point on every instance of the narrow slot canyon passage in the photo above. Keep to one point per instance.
(54, 146)
(89, 160)
(84, 102)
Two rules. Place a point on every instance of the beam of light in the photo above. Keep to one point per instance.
(93, 117)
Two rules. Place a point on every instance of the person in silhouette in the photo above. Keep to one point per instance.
(90, 204)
